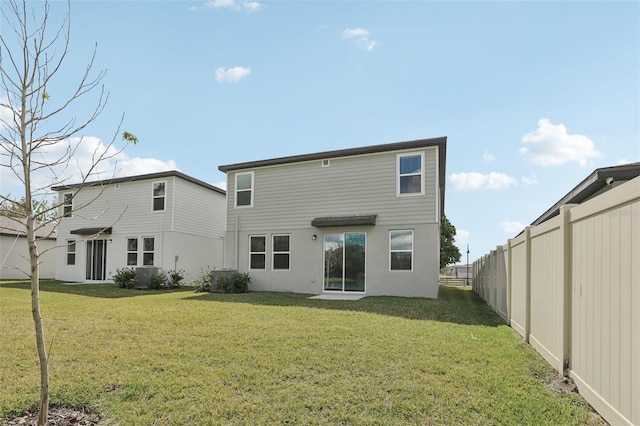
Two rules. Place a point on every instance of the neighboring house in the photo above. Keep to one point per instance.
(167, 220)
(14, 253)
(355, 221)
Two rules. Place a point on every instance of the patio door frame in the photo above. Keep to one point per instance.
(96, 261)
(325, 268)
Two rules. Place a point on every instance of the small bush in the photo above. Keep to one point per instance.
(202, 284)
(125, 278)
(237, 283)
(175, 278)
(157, 281)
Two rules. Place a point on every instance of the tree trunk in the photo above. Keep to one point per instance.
(34, 258)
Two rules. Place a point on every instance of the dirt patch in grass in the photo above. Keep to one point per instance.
(60, 416)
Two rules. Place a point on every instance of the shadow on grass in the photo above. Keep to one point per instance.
(455, 305)
(107, 291)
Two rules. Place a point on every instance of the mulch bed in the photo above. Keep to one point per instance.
(60, 416)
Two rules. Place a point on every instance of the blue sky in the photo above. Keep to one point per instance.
(533, 96)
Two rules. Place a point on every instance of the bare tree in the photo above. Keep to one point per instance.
(34, 124)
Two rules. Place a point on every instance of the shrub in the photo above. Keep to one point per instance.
(237, 283)
(202, 284)
(175, 278)
(125, 278)
(157, 281)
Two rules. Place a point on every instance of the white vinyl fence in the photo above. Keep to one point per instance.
(571, 288)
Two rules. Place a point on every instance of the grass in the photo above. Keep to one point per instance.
(181, 358)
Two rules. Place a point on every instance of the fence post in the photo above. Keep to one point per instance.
(527, 271)
(509, 270)
(567, 302)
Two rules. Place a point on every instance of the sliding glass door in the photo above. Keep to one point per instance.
(96, 259)
(344, 261)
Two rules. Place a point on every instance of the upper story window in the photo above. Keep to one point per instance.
(67, 205)
(159, 193)
(244, 189)
(410, 174)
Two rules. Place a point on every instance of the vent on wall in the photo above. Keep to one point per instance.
(326, 163)
(116, 186)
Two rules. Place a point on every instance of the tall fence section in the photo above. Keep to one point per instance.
(570, 287)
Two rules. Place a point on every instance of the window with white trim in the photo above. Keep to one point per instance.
(67, 205)
(257, 252)
(410, 177)
(71, 252)
(401, 250)
(159, 194)
(132, 251)
(148, 250)
(244, 189)
(281, 252)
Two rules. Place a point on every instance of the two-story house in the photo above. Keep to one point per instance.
(361, 221)
(167, 220)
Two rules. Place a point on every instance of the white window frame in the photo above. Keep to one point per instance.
(251, 189)
(399, 176)
(137, 251)
(153, 252)
(413, 246)
(274, 252)
(67, 204)
(154, 196)
(71, 250)
(264, 253)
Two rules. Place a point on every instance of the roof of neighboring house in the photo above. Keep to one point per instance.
(440, 142)
(11, 227)
(599, 181)
(148, 176)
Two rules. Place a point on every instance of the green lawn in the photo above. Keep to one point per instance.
(181, 358)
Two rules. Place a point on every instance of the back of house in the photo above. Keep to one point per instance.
(360, 221)
(165, 220)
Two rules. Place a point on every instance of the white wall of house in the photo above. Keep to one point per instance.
(187, 234)
(287, 197)
(14, 258)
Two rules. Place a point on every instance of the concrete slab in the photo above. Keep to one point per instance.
(337, 297)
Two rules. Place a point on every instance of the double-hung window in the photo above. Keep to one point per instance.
(401, 250)
(244, 189)
(257, 252)
(132, 251)
(148, 250)
(67, 205)
(410, 176)
(71, 252)
(159, 193)
(281, 248)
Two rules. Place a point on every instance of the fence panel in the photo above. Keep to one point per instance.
(572, 289)
(547, 291)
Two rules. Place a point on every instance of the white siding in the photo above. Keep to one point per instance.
(190, 227)
(288, 197)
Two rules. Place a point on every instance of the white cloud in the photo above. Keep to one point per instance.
(462, 236)
(242, 6)
(473, 181)
(221, 185)
(551, 145)
(532, 179)
(231, 75)
(360, 37)
(512, 226)
(622, 161)
(87, 150)
(488, 157)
